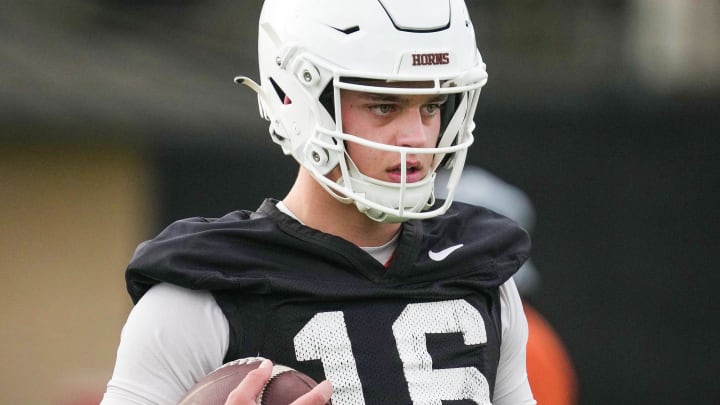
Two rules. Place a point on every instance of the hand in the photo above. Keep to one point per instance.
(250, 387)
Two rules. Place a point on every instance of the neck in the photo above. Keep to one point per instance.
(316, 208)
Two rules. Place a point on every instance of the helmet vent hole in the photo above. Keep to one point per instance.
(327, 99)
(348, 30)
(280, 93)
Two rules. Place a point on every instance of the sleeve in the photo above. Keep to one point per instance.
(511, 385)
(172, 338)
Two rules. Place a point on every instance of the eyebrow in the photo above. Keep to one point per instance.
(395, 98)
(380, 97)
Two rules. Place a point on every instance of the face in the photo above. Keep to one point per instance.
(398, 120)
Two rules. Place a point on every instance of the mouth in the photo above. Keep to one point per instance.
(414, 172)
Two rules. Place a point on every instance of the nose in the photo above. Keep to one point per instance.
(412, 129)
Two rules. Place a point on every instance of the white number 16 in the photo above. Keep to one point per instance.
(325, 338)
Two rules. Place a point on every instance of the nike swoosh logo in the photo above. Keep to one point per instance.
(443, 254)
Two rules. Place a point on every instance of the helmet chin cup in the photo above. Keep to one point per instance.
(385, 201)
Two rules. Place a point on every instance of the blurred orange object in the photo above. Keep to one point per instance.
(550, 370)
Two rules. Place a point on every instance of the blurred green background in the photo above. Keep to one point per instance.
(119, 116)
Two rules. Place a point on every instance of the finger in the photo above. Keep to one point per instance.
(320, 395)
(251, 386)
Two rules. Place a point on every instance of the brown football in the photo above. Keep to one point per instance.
(284, 386)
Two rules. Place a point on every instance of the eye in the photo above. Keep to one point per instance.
(432, 109)
(382, 109)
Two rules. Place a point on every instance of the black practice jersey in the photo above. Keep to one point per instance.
(425, 328)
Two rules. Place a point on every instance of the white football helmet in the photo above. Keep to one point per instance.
(309, 50)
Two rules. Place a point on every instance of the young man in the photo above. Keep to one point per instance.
(358, 276)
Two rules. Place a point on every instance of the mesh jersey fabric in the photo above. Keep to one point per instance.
(320, 304)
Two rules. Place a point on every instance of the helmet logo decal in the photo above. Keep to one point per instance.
(424, 59)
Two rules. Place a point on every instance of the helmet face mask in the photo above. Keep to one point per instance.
(311, 52)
